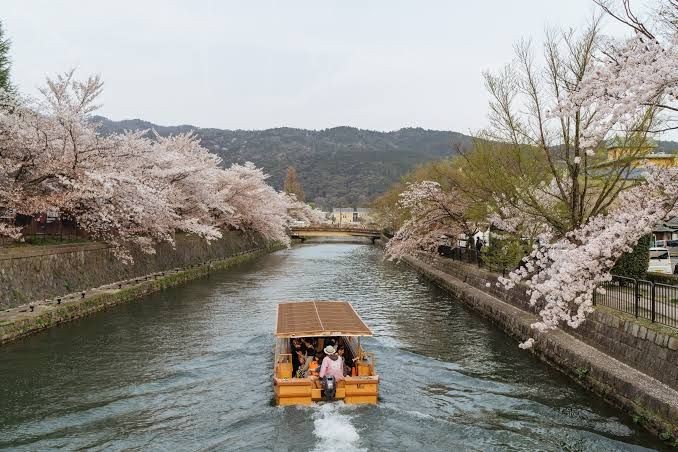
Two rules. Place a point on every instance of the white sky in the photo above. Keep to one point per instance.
(259, 64)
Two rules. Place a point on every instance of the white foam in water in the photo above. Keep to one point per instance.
(334, 430)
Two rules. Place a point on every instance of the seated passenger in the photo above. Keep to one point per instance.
(302, 364)
(333, 364)
(296, 349)
(313, 365)
(306, 361)
(308, 342)
(342, 354)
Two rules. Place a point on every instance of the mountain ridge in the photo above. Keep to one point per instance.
(338, 167)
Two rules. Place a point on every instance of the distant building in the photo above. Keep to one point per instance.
(666, 230)
(344, 215)
(645, 154)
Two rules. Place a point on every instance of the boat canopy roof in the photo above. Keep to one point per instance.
(319, 318)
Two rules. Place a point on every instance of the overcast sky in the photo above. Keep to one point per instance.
(260, 64)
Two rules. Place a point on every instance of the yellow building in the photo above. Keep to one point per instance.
(645, 153)
(348, 215)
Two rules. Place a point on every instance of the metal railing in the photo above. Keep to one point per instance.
(649, 300)
(471, 256)
(338, 227)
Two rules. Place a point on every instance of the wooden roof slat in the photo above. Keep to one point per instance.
(319, 318)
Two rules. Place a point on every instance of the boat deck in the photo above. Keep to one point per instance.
(319, 320)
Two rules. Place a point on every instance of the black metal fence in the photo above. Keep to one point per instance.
(655, 302)
(471, 256)
(649, 300)
(40, 229)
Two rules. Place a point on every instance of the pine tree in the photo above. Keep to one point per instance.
(4, 61)
(292, 184)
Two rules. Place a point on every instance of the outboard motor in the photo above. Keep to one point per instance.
(330, 387)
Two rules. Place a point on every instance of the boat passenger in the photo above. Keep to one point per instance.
(342, 354)
(297, 349)
(306, 361)
(313, 365)
(333, 364)
(309, 342)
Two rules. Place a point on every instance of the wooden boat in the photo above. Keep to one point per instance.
(323, 320)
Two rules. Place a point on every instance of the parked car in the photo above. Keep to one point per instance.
(660, 261)
(660, 243)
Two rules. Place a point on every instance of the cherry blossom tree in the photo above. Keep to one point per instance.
(577, 183)
(629, 87)
(630, 81)
(563, 274)
(435, 217)
(548, 126)
(131, 189)
(301, 211)
(255, 205)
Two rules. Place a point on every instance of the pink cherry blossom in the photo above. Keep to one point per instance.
(128, 189)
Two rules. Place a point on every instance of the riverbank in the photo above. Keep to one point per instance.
(31, 318)
(652, 403)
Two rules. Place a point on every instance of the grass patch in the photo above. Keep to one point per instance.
(657, 327)
(582, 372)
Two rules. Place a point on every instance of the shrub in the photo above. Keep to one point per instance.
(634, 264)
(502, 252)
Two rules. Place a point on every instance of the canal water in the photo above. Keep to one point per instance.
(190, 369)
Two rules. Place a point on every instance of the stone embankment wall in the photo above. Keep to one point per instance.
(30, 273)
(630, 364)
(651, 348)
(19, 322)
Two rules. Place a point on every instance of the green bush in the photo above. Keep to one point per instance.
(634, 264)
(661, 278)
(502, 252)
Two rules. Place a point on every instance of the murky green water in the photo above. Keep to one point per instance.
(190, 369)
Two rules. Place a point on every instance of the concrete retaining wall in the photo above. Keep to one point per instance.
(36, 272)
(652, 402)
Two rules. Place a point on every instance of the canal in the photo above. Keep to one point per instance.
(190, 369)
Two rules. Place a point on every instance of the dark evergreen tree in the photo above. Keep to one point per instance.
(5, 62)
(634, 264)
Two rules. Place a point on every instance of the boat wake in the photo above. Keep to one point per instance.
(334, 430)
